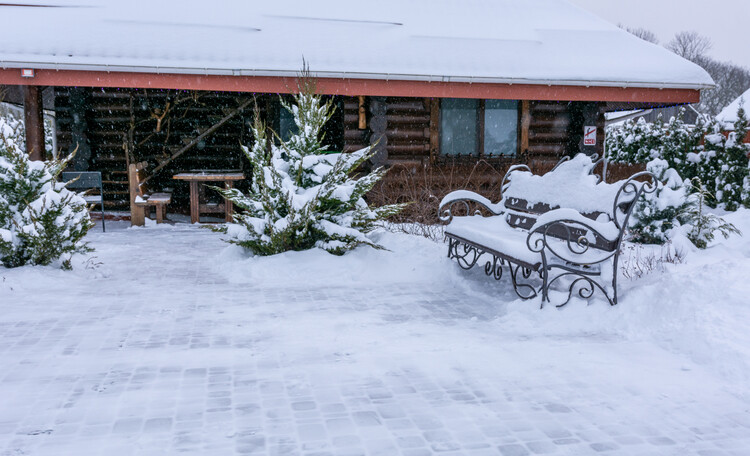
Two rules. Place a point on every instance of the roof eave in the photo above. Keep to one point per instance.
(5, 64)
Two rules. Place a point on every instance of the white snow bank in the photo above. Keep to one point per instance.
(698, 309)
(409, 260)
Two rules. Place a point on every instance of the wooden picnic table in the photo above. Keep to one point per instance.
(198, 204)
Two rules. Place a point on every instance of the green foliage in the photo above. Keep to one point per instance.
(657, 214)
(40, 220)
(704, 226)
(695, 151)
(676, 205)
(302, 196)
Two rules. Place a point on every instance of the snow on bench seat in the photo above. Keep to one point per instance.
(495, 234)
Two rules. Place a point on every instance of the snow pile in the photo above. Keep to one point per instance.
(40, 220)
(696, 308)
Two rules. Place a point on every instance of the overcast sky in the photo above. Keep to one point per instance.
(726, 22)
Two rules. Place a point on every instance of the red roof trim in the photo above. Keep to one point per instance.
(353, 87)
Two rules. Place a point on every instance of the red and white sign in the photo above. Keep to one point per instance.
(27, 72)
(589, 136)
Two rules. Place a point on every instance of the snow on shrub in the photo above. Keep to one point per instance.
(699, 151)
(301, 195)
(676, 207)
(40, 220)
(657, 214)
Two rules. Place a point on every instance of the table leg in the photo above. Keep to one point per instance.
(228, 206)
(194, 203)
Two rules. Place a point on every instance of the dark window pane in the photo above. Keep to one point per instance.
(500, 127)
(458, 126)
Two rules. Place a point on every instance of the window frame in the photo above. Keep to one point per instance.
(480, 154)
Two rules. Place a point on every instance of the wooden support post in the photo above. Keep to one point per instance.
(362, 124)
(194, 202)
(434, 129)
(33, 111)
(228, 206)
(525, 124)
(378, 128)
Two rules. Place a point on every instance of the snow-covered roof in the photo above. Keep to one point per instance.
(728, 115)
(503, 41)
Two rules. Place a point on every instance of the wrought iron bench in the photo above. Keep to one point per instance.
(564, 227)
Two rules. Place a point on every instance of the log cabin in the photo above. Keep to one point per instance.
(429, 84)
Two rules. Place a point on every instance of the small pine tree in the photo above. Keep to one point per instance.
(40, 220)
(704, 225)
(733, 166)
(656, 214)
(302, 196)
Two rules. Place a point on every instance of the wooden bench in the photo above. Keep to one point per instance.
(141, 199)
(565, 227)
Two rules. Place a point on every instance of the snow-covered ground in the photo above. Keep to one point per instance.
(167, 340)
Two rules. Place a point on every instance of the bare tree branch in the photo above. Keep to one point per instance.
(690, 45)
(642, 33)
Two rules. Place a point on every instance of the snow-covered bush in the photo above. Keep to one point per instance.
(676, 207)
(731, 180)
(301, 196)
(704, 225)
(656, 214)
(40, 220)
(634, 141)
(695, 151)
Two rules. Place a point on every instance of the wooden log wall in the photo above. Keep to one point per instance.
(412, 133)
(548, 129)
(408, 130)
(109, 113)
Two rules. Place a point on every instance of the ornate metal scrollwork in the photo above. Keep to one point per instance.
(570, 247)
(494, 268)
(530, 291)
(465, 255)
(585, 285)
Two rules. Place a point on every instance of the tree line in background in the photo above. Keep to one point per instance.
(731, 80)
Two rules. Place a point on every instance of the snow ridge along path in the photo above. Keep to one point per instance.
(168, 341)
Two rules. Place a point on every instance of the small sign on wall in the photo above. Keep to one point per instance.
(589, 136)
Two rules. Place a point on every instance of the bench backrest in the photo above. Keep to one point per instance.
(524, 217)
(136, 176)
(82, 179)
(571, 184)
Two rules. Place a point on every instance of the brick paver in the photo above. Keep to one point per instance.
(220, 368)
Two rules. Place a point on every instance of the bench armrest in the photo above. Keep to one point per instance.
(574, 238)
(463, 198)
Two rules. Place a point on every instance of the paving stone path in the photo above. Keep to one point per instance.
(154, 353)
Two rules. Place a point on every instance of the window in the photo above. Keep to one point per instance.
(478, 127)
